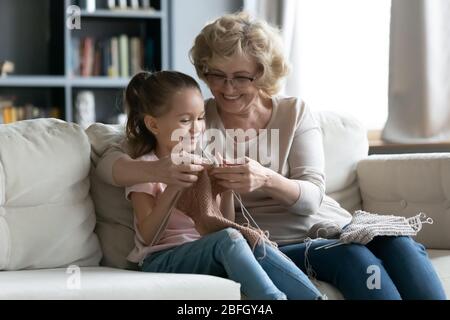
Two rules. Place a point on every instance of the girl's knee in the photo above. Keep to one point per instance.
(229, 235)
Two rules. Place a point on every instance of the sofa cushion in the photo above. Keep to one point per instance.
(406, 184)
(441, 262)
(114, 213)
(345, 144)
(102, 283)
(46, 213)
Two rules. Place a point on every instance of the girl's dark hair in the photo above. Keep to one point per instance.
(150, 94)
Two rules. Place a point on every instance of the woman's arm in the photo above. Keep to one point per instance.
(152, 216)
(117, 168)
(303, 189)
(127, 172)
(252, 176)
(281, 188)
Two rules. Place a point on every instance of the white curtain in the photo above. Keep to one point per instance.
(281, 13)
(339, 52)
(270, 10)
(419, 84)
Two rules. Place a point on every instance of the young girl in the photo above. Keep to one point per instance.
(166, 238)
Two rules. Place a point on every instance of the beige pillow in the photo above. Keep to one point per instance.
(344, 145)
(46, 213)
(114, 213)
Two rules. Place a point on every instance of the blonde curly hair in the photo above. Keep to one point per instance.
(237, 34)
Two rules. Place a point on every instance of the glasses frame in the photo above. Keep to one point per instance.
(231, 80)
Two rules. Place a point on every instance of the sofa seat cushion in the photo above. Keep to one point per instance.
(441, 262)
(109, 283)
(47, 216)
(329, 290)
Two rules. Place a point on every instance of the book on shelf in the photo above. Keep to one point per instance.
(149, 54)
(136, 55)
(88, 5)
(111, 4)
(10, 113)
(124, 56)
(123, 4)
(120, 56)
(114, 67)
(87, 57)
(134, 5)
(146, 5)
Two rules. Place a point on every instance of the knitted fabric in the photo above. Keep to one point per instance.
(325, 230)
(365, 226)
(199, 203)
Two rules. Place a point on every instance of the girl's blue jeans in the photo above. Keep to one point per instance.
(263, 274)
(386, 268)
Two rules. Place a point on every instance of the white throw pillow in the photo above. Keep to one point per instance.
(345, 144)
(46, 213)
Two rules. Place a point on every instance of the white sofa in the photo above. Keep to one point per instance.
(64, 233)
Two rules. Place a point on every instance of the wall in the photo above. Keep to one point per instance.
(187, 19)
(16, 43)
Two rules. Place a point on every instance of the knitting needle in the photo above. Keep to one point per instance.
(330, 245)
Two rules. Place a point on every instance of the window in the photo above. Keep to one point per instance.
(343, 57)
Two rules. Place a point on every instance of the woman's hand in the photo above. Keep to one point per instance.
(243, 178)
(252, 176)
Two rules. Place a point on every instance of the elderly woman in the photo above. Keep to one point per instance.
(242, 63)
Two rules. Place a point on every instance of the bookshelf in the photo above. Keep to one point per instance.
(34, 35)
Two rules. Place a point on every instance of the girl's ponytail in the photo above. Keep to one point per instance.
(140, 139)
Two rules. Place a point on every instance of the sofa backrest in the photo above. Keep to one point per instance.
(47, 216)
(114, 213)
(344, 142)
(407, 184)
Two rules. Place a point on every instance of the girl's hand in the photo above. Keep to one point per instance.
(243, 178)
(220, 189)
(181, 175)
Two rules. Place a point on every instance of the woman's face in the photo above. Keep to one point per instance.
(236, 97)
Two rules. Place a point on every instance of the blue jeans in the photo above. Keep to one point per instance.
(264, 274)
(400, 263)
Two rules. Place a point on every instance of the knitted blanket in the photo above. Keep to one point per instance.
(199, 203)
(365, 226)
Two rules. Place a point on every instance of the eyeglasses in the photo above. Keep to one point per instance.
(239, 82)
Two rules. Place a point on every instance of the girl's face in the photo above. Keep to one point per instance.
(236, 97)
(186, 115)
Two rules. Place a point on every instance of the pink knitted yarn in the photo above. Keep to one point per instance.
(198, 202)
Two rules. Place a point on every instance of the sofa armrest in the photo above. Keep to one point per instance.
(406, 185)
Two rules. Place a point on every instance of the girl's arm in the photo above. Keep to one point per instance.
(151, 215)
(127, 172)
(226, 205)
